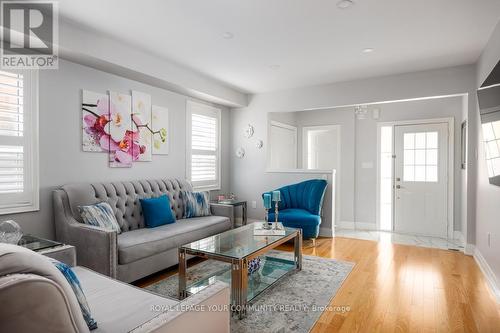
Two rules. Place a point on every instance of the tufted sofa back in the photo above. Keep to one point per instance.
(124, 197)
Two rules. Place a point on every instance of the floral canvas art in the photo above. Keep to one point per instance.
(141, 116)
(95, 115)
(127, 127)
(161, 139)
(122, 133)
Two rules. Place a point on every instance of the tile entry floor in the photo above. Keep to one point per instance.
(405, 239)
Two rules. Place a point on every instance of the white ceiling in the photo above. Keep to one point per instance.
(312, 41)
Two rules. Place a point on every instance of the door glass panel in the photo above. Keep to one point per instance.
(420, 140)
(409, 157)
(432, 140)
(409, 141)
(419, 173)
(421, 157)
(432, 157)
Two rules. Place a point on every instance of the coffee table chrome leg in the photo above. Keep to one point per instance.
(244, 213)
(298, 249)
(182, 274)
(239, 287)
(244, 288)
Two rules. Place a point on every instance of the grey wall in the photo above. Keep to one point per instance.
(488, 196)
(248, 176)
(61, 158)
(357, 186)
(366, 149)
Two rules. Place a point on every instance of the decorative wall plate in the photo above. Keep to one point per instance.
(249, 131)
(240, 152)
(259, 144)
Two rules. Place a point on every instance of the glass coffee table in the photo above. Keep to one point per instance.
(238, 247)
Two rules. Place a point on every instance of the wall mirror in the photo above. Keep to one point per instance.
(297, 143)
(489, 109)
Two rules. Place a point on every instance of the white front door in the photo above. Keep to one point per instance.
(421, 179)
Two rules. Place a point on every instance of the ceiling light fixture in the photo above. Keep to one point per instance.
(344, 4)
(368, 50)
(227, 35)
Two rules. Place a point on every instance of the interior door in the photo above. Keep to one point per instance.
(421, 179)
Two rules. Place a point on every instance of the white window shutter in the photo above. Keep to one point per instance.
(203, 160)
(18, 142)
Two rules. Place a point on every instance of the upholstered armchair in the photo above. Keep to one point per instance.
(301, 206)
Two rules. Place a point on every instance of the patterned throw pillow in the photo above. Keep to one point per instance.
(77, 289)
(196, 204)
(99, 215)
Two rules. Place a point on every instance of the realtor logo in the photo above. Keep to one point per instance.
(29, 35)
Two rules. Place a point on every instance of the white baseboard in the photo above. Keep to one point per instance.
(356, 225)
(326, 232)
(469, 249)
(491, 279)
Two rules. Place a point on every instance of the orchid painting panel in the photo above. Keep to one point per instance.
(161, 137)
(122, 132)
(95, 116)
(141, 117)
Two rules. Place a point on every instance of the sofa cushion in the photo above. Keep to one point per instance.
(142, 243)
(157, 211)
(73, 281)
(99, 215)
(119, 307)
(196, 204)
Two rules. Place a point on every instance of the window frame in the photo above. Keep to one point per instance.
(29, 200)
(206, 110)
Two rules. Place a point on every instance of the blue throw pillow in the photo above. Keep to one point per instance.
(195, 204)
(77, 289)
(157, 211)
(99, 215)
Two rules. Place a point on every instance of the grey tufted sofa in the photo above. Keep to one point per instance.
(137, 251)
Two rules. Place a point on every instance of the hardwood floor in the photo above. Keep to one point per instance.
(400, 288)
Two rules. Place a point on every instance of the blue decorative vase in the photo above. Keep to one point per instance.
(253, 265)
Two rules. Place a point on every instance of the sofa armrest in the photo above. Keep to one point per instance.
(29, 302)
(207, 311)
(223, 210)
(96, 248)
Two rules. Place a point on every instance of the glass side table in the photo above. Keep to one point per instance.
(53, 249)
(234, 203)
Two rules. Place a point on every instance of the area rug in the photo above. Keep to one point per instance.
(293, 304)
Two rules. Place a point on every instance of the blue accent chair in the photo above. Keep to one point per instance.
(300, 206)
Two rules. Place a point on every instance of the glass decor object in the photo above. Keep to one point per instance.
(253, 265)
(10, 232)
